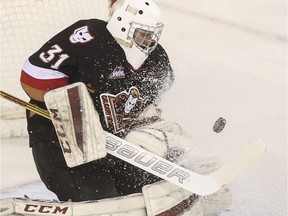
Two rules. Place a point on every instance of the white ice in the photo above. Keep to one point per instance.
(229, 59)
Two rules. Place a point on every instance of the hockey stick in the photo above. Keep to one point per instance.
(178, 175)
(26, 105)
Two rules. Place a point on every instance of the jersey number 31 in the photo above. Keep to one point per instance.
(50, 55)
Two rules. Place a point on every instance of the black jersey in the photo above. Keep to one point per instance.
(87, 52)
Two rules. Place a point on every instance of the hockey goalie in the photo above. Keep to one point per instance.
(97, 76)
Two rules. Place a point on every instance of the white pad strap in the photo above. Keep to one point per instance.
(77, 124)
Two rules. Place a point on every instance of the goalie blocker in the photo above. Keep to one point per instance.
(77, 124)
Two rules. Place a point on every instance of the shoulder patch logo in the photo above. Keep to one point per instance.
(81, 35)
(117, 73)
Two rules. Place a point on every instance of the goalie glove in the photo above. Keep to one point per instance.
(163, 138)
(80, 134)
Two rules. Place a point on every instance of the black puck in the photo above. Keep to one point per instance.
(219, 125)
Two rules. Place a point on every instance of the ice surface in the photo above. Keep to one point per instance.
(229, 59)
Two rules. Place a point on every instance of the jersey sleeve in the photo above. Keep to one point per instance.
(42, 78)
(56, 63)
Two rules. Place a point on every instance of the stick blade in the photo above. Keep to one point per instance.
(234, 167)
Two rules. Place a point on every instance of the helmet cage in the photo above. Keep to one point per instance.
(144, 37)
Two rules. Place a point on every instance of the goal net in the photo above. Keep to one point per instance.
(25, 26)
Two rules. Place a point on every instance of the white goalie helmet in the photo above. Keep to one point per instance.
(136, 25)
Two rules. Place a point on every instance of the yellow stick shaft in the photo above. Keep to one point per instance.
(26, 105)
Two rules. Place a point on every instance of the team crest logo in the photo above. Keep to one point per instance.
(117, 73)
(120, 109)
(81, 35)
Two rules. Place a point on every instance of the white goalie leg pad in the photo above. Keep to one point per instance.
(120, 206)
(163, 198)
(7, 206)
(77, 124)
(130, 205)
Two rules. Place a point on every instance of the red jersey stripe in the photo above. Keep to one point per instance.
(43, 84)
(40, 72)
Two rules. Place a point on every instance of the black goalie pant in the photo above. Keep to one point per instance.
(104, 178)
